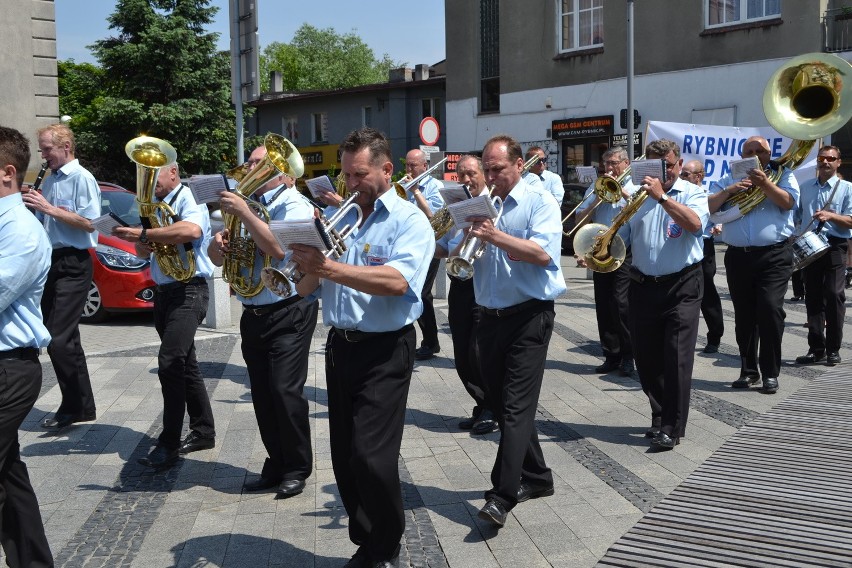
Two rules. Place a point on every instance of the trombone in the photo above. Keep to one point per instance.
(529, 164)
(402, 188)
(609, 191)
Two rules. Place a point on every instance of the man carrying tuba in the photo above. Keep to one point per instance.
(276, 338)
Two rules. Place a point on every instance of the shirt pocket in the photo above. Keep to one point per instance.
(376, 255)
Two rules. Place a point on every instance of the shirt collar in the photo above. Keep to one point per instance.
(67, 168)
(10, 202)
(172, 192)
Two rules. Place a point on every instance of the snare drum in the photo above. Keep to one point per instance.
(807, 248)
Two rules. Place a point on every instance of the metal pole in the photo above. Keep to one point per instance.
(630, 128)
(237, 73)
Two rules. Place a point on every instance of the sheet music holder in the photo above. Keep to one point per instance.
(741, 168)
(207, 188)
(106, 223)
(479, 206)
(453, 192)
(640, 169)
(310, 232)
(319, 185)
(587, 174)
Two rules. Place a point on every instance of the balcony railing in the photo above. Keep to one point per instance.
(838, 29)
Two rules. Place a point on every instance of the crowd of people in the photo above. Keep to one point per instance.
(376, 287)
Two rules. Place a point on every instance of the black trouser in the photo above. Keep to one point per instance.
(798, 284)
(21, 529)
(464, 316)
(611, 309)
(711, 304)
(513, 351)
(825, 298)
(276, 348)
(62, 303)
(427, 323)
(178, 311)
(367, 385)
(757, 280)
(664, 322)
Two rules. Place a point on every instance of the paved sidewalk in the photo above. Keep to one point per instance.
(101, 509)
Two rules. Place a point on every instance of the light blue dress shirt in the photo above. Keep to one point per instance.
(187, 209)
(659, 245)
(605, 212)
(533, 180)
(431, 190)
(500, 281)
(292, 206)
(25, 253)
(814, 197)
(767, 223)
(553, 184)
(72, 188)
(396, 234)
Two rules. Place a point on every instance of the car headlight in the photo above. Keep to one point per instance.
(118, 259)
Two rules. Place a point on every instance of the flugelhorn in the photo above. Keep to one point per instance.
(150, 155)
(461, 265)
(278, 281)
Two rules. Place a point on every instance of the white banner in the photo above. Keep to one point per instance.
(717, 146)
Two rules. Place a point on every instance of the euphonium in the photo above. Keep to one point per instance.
(806, 99)
(150, 155)
(278, 281)
(461, 265)
(238, 266)
(442, 222)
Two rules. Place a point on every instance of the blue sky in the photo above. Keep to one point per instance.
(387, 27)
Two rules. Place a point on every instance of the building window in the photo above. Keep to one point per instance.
(367, 116)
(582, 24)
(431, 107)
(319, 131)
(290, 128)
(727, 12)
(489, 56)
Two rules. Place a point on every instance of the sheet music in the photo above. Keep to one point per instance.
(479, 206)
(320, 185)
(106, 223)
(300, 231)
(453, 192)
(741, 168)
(640, 169)
(587, 174)
(206, 188)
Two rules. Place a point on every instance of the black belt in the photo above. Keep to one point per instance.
(645, 279)
(20, 353)
(269, 308)
(517, 308)
(782, 244)
(355, 336)
(837, 240)
(194, 281)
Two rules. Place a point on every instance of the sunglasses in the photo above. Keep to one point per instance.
(828, 159)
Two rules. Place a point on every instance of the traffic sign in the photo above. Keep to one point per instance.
(429, 149)
(429, 131)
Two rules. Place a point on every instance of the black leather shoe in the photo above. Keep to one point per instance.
(494, 513)
(289, 488)
(60, 421)
(745, 381)
(770, 385)
(160, 457)
(485, 424)
(359, 560)
(608, 366)
(626, 368)
(529, 491)
(468, 423)
(195, 442)
(664, 442)
(797, 298)
(711, 348)
(425, 352)
(261, 484)
(652, 432)
(832, 359)
(811, 358)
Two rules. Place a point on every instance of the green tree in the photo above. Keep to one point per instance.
(162, 76)
(321, 59)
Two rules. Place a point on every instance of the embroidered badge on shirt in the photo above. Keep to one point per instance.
(674, 230)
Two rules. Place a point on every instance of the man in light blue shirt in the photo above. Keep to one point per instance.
(539, 173)
(276, 330)
(665, 235)
(371, 298)
(829, 212)
(758, 263)
(179, 308)
(70, 199)
(24, 264)
(516, 281)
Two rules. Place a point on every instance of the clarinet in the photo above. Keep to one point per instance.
(39, 177)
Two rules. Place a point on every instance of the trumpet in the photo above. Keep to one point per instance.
(461, 265)
(278, 281)
(403, 187)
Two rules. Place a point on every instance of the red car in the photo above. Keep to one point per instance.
(121, 281)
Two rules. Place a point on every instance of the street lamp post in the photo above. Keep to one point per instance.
(630, 127)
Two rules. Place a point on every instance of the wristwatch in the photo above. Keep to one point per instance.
(663, 198)
(143, 236)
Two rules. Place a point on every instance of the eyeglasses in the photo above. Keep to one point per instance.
(612, 162)
(828, 159)
(684, 173)
(670, 166)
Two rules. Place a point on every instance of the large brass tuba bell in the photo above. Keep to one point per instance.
(150, 155)
(238, 265)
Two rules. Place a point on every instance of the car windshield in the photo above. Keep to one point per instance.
(122, 204)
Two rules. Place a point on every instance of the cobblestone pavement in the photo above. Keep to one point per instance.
(101, 509)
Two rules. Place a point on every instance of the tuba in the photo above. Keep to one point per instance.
(278, 281)
(806, 99)
(238, 266)
(150, 155)
(461, 265)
